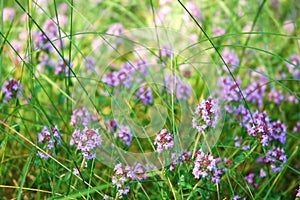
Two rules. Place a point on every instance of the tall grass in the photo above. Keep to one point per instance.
(105, 31)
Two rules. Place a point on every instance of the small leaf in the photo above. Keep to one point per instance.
(239, 159)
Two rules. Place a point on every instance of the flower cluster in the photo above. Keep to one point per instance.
(165, 51)
(51, 33)
(164, 140)
(279, 131)
(145, 95)
(205, 166)
(80, 116)
(181, 88)
(129, 71)
(275, 96)
(260, 128)
(114, 79)
(63, 67)
(296, 128)
(238, 143)
(276, 158)
(112, 125)
(90, 63)
(86, 141)
(242, 114)
(180, 158)
(298, 192)
(237, 197)
(231, 59)
(50, 138)
(12, 89)
(8, 14)
(250, 179)
(206, 115)
(294, 69)
(116, 30)
(218, 31)
(228, 89)
(76, 170)
(256, 89)
(194, 9)
(124, 134)
(120, 178)
(124, 174)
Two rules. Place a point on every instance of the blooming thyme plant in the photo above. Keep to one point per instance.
(149, 99)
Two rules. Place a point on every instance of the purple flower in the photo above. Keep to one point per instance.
(142, 67)
(124, 134)
(112, 125)
(51, 29)
(164, 140)
(262, 173)
(44, 61)
(206, 115)
(228, 89)
(246, 147)
(119, 179)
(12, 89)
(136, 172)
(276, 158)
(243, 114)
(294, 69)
(163, 2)
(288, 27)
(194, 9)
(231, 59)
(275, 96)
(186, 70)
(165, 51)
(180, 158)
(279, 131)
(237, 141)
(298, 192)
(86, 141)
(80, 117)
(50, 137)
(42, 155)
(113, 78)
(250, 179)
(145, 95)
(170, 82)
(62, 19)
(291, 98)
(181, 88)
(76, 170)
(42, 42)
(53, 138)
(183, 91)
(296, 128)
(63, 8)
(217, 31)
(90, 63)
(236, 197)
(63, 68)
(261, 128)
(204, 165)
(116, 30)
(255, 92)
(8, 14)
(123, 175)
(216, 176)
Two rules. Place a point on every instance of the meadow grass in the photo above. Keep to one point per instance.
(108, 108)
